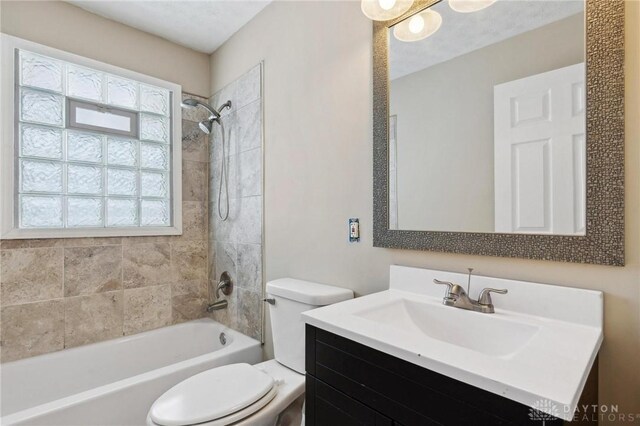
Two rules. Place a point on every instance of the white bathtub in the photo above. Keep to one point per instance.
(115, 382)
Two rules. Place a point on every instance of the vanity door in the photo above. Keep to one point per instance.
(328, 406)
(348, 383)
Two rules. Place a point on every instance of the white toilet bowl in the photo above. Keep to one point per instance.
(237, 394)
(241, 394)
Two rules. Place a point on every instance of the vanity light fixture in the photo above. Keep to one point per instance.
(383, 10)
(468, 6)
(419, 26)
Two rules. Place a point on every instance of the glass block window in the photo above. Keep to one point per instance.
(93, 149)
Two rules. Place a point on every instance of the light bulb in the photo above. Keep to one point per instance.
(386, 4)
(384, 10)
(416, 24)
(468, 6)
(418, 27)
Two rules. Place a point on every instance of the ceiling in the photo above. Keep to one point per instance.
(462, 33)
(200, 25)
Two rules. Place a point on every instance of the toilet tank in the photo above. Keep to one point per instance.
(292, 298)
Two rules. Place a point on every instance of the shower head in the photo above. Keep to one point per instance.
(192, 103)
(206, 126)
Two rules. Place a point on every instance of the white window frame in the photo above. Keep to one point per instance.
(8, 186)
(72, 106)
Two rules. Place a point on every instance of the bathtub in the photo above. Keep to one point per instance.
(115, 382)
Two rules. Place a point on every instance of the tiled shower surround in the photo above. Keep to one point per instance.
(60, 293)
(235, 245)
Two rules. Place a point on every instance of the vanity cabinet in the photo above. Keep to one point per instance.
(351, 384)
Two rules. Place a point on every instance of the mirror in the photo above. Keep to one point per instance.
(447, 206)
(487, 113)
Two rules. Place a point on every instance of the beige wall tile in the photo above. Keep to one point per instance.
(22, 244)
(195, 144)
(189, 260)
(146, 308)
(60, 242)
(189, 300)
(30, 275)
(194, 220)
(32, 329)
(196, 288)
(146, 265)
(93, 318)
(187, 307)
(194, 181)
(92, 241)
(89, 270)
(149, 240)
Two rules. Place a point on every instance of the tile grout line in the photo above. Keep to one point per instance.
(64, 301)
(172, 279)
(124, 300)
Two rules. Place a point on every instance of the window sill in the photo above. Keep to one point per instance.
(25, 234)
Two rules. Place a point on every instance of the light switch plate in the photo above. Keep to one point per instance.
(354, 230)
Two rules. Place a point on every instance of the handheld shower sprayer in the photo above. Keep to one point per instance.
(207, 126)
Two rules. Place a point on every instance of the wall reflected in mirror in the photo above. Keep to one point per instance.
(487, 118)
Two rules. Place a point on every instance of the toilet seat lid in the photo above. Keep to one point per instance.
(211, 395)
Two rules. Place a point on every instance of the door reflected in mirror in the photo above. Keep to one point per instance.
(487, 118)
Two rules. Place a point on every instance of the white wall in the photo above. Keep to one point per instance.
(318, 159)
(67, 27)
(445, 126)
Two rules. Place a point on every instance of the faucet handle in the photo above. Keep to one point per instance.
(225, 285)
(449, 284)
(453, 290)
(485, 295)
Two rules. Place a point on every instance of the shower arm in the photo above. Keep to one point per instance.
(193, 103)
(215, 114)
(223, 106)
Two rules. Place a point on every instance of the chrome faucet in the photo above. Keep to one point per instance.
(458, 298)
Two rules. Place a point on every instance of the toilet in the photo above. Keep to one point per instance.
(243, 394)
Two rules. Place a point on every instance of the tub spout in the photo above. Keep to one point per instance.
(216, 306)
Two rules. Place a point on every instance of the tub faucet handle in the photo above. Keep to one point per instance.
(225, 285)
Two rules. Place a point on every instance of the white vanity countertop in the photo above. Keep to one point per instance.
(540, 344)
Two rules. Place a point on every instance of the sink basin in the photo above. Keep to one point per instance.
(539, 345)
(485, 333)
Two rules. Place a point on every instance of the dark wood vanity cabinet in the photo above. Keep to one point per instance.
(351, 384)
